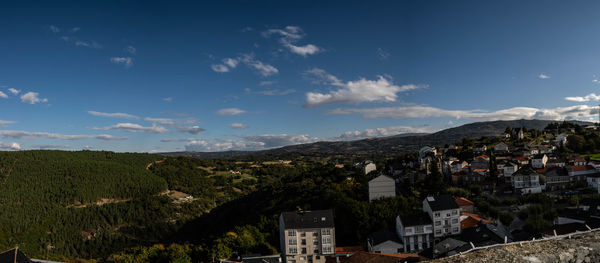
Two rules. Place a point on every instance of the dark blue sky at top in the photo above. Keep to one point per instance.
(467, 61)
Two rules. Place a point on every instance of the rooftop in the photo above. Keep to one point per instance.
(442, 202)
(416, 220)
(308, 219)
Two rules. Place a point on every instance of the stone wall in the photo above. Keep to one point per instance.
(579, 248)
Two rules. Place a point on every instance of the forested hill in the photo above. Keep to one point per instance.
(44, 194)
(394, 144)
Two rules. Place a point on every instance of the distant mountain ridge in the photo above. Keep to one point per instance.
(394, 144)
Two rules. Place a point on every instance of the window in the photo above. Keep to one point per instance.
(326, 232)
(315, 241)
(326, 240)
(315, 234)
(303, 242)
(303, 234)
(303, 250)
(454, 221)
(292, 242)
(438, 232)
(316, 251)
(327, 250)
(454, 230)
(437, 214)
(408, 230)
(292, 233)
(448, 215)
(293, 250)
(438, 223)
(455, 212)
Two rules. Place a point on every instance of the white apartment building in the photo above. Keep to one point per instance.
(306, 236)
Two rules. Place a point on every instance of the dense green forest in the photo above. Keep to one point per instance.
(87, 205)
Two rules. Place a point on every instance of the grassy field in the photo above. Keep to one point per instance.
(593, 157)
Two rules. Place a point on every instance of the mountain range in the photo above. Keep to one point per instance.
(401, 143)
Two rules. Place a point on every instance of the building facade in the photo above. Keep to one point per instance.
(306, 236)
(415, 231)
(381, 187)
(444, 213)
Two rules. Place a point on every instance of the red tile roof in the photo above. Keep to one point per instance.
(581, 167)
(346, 250)
(461, 201)
(472, 220)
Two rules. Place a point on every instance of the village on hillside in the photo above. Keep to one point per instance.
(521, 185)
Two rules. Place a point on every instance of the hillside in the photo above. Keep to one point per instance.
(393, 144)
(89, 204)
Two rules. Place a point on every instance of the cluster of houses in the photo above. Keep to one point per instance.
(445, 226)
(514, 169)
(449, 225)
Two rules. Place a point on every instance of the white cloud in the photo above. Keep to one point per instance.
(33, 135)
(190, 129)
(231, 111)
(14, 91)
(256, 142)
(266, 83)
(75, 29)
(10, 146)
(230, 63)
(32, 98)
(589, 97)
(113, 114)
(561, 113)
(131, 49)
(289, 36)
(275, 92)
(219, 68)
(126, 61)
(3, 95)
(4, 123)
(238, 126)
(379, 132)
(132, 127)
(278, 140)
(201, 145)
(81, 43)
(163, 121)
(543, 76)
(362, 90)
(263, 69)
(92, 44)
(309, 49)
(168, 99)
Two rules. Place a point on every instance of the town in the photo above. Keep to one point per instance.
(521, 185)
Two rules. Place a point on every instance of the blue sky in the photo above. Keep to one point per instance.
(251, 75)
